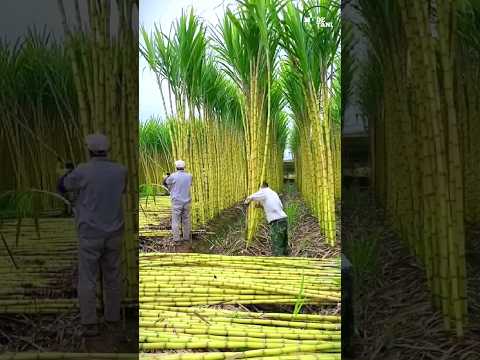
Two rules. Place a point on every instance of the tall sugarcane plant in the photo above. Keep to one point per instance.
(419, 97)
(104, 62)
(247, 44)
(309, 72)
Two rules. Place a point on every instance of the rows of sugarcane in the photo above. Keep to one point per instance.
(37, 262)
(190, 302)
(209, 149)
(53, 91)
(420, 93)
(248, 105)
(312, 88)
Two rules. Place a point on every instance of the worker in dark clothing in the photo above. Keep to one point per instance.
(98, 211)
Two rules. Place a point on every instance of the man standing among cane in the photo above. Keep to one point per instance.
(179, 184)
(276, 217)
(99, 184)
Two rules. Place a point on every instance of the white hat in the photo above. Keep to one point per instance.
(96, 142)
(180, 164)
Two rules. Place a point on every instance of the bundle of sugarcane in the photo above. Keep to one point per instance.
(197, 279)
(286, 353)
(175, 328)
(256, 355)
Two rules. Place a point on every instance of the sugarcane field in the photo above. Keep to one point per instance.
(57, 88)
(239, 173)
(411, 224)
(240, 179)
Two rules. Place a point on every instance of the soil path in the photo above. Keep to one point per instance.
(394, 318)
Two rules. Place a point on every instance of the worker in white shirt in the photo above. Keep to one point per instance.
(179, 184)
(99, 185)
(276, 218)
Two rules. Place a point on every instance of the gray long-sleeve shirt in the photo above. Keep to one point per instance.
(98, 209)
(179, 184)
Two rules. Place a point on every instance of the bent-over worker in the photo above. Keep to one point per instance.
(179, 184)
(98, 210)
(276, 218)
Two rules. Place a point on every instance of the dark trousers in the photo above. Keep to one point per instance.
(279, 235)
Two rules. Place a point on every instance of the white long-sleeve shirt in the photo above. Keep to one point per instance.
(272, 205)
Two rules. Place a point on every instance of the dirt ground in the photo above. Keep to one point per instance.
(394, 318)
(62, 333)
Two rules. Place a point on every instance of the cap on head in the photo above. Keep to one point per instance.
(97, 142)
(180, 164)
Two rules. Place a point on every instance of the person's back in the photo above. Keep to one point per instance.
(99, 185)
(276, 217)
(272, 205)
(179, 184)
(98, 209)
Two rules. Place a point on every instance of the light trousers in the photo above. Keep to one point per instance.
(181, 220)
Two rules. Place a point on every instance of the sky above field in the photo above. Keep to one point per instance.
(165, 13)
(14, 19)
(17, 16)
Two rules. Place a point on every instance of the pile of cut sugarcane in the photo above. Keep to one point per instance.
(33, 254)
(200, 302)
(37, 262)
(153, 210)
(200, 279)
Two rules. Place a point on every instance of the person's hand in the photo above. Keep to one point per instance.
(246, 202)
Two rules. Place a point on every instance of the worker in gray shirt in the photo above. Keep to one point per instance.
(99, 185)
(179, 184)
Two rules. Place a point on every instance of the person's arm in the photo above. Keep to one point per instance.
(167, 181)
(258, 196)
(71, 181)
(61, 185)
